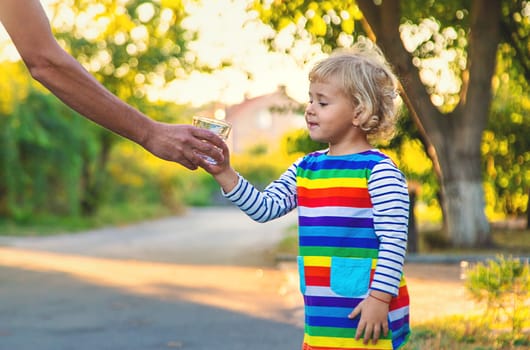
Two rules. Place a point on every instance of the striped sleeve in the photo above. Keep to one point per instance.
(276, 200)
(390, 200)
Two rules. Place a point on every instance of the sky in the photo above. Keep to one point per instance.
(227, 32)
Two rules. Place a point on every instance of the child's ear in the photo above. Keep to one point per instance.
(357, 115)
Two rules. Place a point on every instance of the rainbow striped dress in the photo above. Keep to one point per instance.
(353, 217)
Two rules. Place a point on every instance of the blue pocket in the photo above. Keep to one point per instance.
(350, 277)
(301, 273)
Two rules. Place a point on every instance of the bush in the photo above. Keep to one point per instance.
(504, 285)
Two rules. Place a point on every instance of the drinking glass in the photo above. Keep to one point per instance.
(219, 127)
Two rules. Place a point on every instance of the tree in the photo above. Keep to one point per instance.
(450, 123)
(38, 133)
(506, 146)
(128, 46)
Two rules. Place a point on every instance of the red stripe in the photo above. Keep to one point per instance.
(403, 291)
(317, 281)
(399, 302)
(308, 347)
(317, 271)
(335, 201)
(333, 192)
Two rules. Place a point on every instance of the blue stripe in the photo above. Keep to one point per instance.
(344, 242)
(327, 311)
(358, 232)
(400, 325)
(311, 300)
(343, 322)
(246, 206)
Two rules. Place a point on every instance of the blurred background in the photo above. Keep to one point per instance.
(462, 142)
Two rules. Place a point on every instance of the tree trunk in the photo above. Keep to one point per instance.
(453, 139)
(462, 188)
(93, 176)
(466, 224)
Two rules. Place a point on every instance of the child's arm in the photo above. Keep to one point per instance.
(276, 200)
(389, 195)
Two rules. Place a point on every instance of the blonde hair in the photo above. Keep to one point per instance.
(366, 77)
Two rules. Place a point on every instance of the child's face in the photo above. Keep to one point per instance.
(330, 114)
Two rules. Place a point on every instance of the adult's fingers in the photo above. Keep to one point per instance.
(207, 143)
(207, 135)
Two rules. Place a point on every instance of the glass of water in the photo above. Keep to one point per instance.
(219, 127)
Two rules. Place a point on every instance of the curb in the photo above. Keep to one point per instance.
(428, 258)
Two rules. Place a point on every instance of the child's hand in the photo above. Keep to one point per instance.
(374, 319)
(215, 168)
(222, 172)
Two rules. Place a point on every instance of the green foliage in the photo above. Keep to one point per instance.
(53, 161)
(298, 141)
(126, 45)
(505, 145)
(111, 214)
(45, 146)
(328, 22)
(504, 284)
(259, 170)
(200, 190)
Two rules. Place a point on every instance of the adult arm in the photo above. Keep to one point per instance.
(29, 29)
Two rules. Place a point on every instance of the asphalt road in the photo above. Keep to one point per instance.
(205, 280)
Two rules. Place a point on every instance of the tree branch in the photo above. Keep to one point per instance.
(385, 21)
(482, 54)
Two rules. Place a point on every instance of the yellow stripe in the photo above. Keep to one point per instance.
(325, 261)
(402, 282)
(374, 264)
(338, 343)
(334, 182)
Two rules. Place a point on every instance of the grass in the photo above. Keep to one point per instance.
(126, 213)
(464, 333)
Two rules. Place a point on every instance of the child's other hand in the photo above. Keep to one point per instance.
(374, 319)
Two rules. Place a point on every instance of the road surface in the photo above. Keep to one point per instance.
(204, 280)
(201, 281)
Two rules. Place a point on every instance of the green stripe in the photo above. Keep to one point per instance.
(337, 332)
(334, 173)
(342, 252)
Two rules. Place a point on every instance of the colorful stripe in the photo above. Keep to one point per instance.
(337, 219)
(353, 216)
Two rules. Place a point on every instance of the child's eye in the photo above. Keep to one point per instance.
(323, 104)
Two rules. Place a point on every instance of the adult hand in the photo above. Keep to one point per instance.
(182, 143)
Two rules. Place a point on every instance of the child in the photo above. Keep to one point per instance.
(353, 207)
